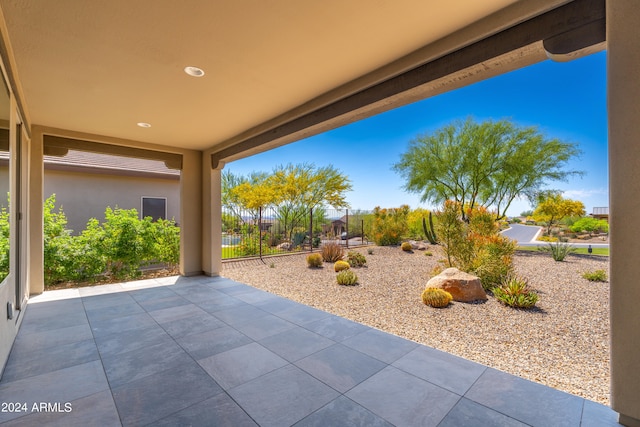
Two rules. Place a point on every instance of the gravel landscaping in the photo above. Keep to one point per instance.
(562, 343)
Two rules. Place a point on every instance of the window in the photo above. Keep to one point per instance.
(155, 207)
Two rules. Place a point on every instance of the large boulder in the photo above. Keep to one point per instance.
(285, 246)
(462, 286)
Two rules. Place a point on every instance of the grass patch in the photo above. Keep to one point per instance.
(580, 251)
(229, 252)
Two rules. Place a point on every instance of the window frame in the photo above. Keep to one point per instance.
(142, 210)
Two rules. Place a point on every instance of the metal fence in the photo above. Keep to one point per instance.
(283, 230)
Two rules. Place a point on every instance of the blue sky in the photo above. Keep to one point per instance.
(564, 100)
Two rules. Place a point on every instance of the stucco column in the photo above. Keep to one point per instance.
(623, 44)
(191, 214)
(212, 218)
(35, 227)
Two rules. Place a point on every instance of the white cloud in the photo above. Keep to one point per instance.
(585, 193)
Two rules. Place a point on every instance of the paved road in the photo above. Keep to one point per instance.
(524, 235)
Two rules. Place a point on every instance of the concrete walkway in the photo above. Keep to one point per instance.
(213, 352)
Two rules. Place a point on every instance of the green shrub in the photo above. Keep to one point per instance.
(390, 225)
(569, 221)
(167, 242)
(595, 276)
(117, 247)
(370, 251)
(428, 253)
(126, 242)
(356, 259)
(341, 265)
(314, 260)
(80, 257)
(436, 297)
(249, 243)
(332, 252)
(4, 243)
(406, 246)
(347, 278)
(515, 292)
(475, 246)
(57, 242)
(590, 225)
(452, 231)
(558, 250)
(494, 259)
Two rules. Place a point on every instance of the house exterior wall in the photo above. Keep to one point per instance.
(86, 195)
(623, 68)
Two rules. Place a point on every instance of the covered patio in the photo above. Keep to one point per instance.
(212, 351)
(109, 77)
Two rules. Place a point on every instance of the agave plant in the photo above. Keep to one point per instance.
(558, 250)
(514, 291)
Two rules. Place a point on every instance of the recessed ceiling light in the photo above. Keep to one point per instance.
(194, 71)
(144, 125)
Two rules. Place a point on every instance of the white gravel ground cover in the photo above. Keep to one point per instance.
(563, 343)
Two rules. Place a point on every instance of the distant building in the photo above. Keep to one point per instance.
(336, 227)
(86, 183)
(601, 213)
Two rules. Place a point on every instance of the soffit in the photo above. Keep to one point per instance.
(101, 67)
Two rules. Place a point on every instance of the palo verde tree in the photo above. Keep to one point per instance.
(487, 164)
(302, 187)
(293, 189)
(552, 207)
(254, 194)
(239, 193)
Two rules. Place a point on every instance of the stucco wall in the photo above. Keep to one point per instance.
(84, 196)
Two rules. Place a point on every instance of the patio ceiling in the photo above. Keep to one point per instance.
(102, 67)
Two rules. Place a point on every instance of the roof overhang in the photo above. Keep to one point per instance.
(275, 72)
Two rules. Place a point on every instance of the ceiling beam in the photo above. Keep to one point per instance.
(564, 23)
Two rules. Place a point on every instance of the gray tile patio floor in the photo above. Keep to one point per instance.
(214, 352)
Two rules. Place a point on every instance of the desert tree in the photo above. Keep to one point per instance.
(552, 208)
(489, 164)
(293, 189)
(302, 187)
(241, 193)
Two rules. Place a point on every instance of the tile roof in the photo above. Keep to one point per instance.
(105, 163)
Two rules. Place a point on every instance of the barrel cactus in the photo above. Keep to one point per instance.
(347, 278)
(314, 260)
(406, 246)
(436, 297)
(341, 265)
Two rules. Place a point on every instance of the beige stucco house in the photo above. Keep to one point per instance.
(196, 84)
(85, 184)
